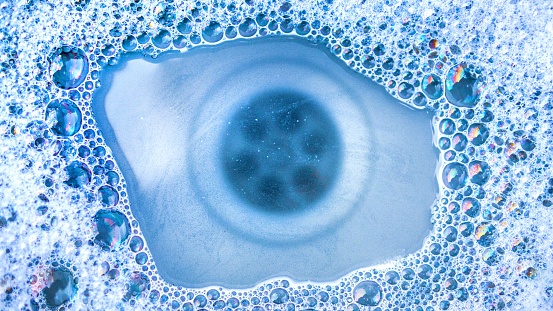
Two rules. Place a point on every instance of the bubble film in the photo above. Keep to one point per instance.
(483, 69)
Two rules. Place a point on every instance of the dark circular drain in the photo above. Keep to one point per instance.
(281, 152)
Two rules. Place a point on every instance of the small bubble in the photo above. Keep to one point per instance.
(69, 67)
(279, 296)
(478, 134)
(213, 32)
(405, 90)
(367, 293)
(455, 175)
(113, 228)
(462, 88)
(64, 117)
(479, 172)
(60, 287)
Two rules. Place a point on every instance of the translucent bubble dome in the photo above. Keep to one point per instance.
(483, 69)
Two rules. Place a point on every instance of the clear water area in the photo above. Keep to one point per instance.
(357, 164)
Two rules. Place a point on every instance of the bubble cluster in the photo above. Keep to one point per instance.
(70, 241)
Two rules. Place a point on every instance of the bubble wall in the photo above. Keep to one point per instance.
(68, 238)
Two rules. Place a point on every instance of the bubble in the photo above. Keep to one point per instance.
(200, 301)
(69, 67)
(450, 284)
(185, 26)
(471, 207)
(462, 88)
(247, 28)
(139, 284)
(391, 277)
(213, 32)
(485, 234)
(425, 271)
(405, 90)
(408, 274)
(108, 196)
(303, 28)
(491, 256)
(64, 117)
(455, 175)
(213, 294)
(478, 134)
(432, 86)
(466, 228)
(450, 234)
(162, 39)
(367, 293)
(60, 287)
(279, 296)
(130, 43)
(113, 228)
(459, 142)
(479, 172)
(136, 244)
(447, 126)
(141, 258)
(78, 173)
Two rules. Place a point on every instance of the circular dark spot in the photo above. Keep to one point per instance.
(272, 151)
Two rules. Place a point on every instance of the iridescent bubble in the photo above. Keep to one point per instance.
(450, 234)
(432, 86)
(247, 28)
(185, 26)
(462, 88)
(136, 244)
(213, 294)
(485, 234)
(139, 283)
(368, 61)
(141, 258)
(367, 293)
(303, 28)
(453, 207)
(408, 274)
(419, 99)
(425, 271)
(450, 284)
(459, 142)
(78, 173)
(444, 143)
(479, 172)
(491, 256)
(162, 39)
(200, 301)
(69, 67)
(455, 175)
(466, 228)
(213, 32)
(130, 43)
(471, 207)
(113, 228)
(279, 296)
(60, 287)
(64, 117)
(391, 277)
(447, 126)
(405, 90)
(478, 134)
(108, 196)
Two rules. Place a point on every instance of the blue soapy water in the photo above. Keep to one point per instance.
(497, 106)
